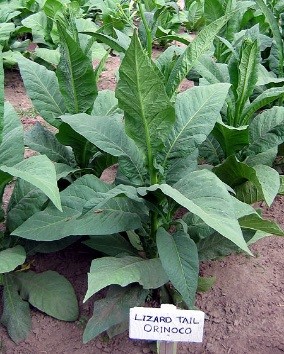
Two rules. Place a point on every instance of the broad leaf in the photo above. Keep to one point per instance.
(269, 180)
(265, 98)
(231, 139)
(43, 141)
(212, 71)
(215, 246)
(255, 222)
(114, 43)
(181, 167)
(197, 111)
(194, 51)
(39, 171)
(116, 215)
(264, 178)
(123, 271)
(39, 25)
(11, 258)
(12, 145)
(202, 193)
(5, 32)
(43, 89)
(250, 219)
(111, 245)
(16, 312)
(51, 56)
(114, 141)
(266, 157)
(211, 151)
(149, 114)
(83, 150)
(1, 97)
(113, 309)
(275, 31)
(105, 104)
(49, 292)
(179, 257)
(25, 201)
(247, 77)
(213, 9)
(121, 190)
(266, 131)
(76, 77)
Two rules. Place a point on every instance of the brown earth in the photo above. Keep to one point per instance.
(244, 310)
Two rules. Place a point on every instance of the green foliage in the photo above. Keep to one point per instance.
(242, 128)
(36, 178)
(50, 292)
(154, 134)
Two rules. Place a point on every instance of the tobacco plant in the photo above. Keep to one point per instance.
(36, 181)
(150, 253)
(244, 143)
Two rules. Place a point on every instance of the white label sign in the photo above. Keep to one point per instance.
(166, 324)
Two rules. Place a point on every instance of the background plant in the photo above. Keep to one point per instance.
(36, 178)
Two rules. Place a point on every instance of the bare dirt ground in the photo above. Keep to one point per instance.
(245, 308)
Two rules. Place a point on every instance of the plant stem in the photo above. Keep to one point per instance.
(147, 29)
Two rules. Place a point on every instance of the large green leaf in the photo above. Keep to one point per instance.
(12, 145)
(194, 51)
(123, 271)
(115, 215)
(255, 222)
(76, 77)
(49, 292)
(235, 173)
(179, 257)
(202, 193)
(113, 309)
(231, 139)
(43, 89)
(181, 167)
(25, 201)
(114, 141)
(213, 9)
(11, 258)
(39, 171)
(266, 157)
(121, 190)
(266, 131)
(16, 312)
(5, 32)
(43, 141)
(105, 104)
(39, 25)
(114, 43)
(215, 246)
(247, 77)
(249, 218)
(212, 71)
(149, 114)
(268, 96)
(211, 151)
(275, 31)
(197, 111)
(1, 97)
(84, 151)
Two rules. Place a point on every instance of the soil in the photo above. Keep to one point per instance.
(244, 310)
